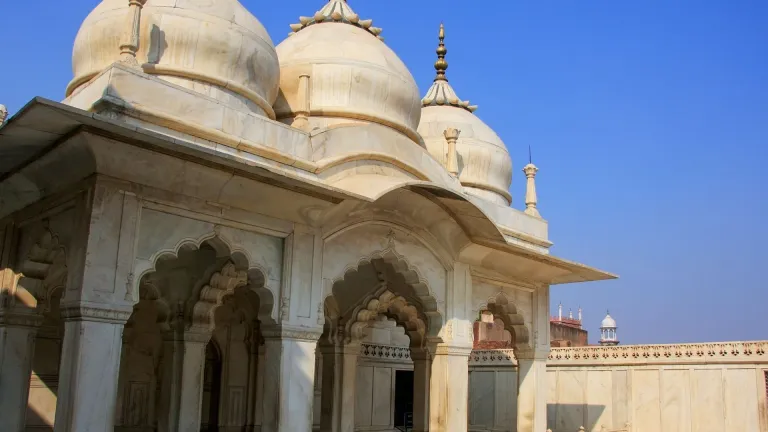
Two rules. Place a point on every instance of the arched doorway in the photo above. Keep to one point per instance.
(197, 317)
(358, 366)
(209, 421)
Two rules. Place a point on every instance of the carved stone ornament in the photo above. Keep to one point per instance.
(285, 307)
(10, 319)
(222, 284)
(297, 333)
(90, 313)
(661, 354)
(320, 315)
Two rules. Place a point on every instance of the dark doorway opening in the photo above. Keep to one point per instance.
(211, 389)
(404, 400)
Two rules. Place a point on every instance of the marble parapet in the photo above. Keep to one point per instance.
(698, 353)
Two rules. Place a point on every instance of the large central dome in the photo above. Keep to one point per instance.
(353, 76)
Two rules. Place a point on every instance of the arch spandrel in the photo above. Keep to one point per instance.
(347, 249)
(257, 277)
(163, 236)
(447, 221)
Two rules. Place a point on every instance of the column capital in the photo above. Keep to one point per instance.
(96, 312)
(451, 350)
(306, 334)
(17, 317)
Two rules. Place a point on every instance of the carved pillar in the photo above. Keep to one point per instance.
(532, 369)
(330, 395)
(289, 374)
(17, 349)
(98, 300)
(181, 391)
(339, 384)
(90, 361)
(349, 386)
(532, 391)
(422, 365)
(253, 376)
(449, 388)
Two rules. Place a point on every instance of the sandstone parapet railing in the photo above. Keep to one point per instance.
(703, 353)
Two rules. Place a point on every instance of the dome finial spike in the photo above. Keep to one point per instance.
(441, 65)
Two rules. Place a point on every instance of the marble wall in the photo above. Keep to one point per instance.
(659, 388)
(681, 398)
(632, 388)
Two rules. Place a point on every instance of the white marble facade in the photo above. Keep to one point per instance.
(206, 216)
(212, 320)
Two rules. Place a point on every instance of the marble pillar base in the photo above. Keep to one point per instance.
(17, 348)
(289, 375)
(90, 362)
(532, 394)
(449, 389)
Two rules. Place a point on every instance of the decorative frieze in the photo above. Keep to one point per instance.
(725, 352)
(85, 313)
(385, 352)
(493, 357)
(281, 332)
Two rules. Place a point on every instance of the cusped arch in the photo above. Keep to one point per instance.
(514, 321)
(400, 265)
(431, 307)
(149, 292)
(387, 303)
(211, 294)
(43, 270)
(222, 285)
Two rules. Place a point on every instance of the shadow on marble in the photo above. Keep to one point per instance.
(564, 417)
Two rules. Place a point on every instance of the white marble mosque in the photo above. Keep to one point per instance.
(214, 233)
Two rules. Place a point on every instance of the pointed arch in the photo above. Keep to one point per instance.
(432, 317)
(385, 302)
(256, 276)
(501, 307)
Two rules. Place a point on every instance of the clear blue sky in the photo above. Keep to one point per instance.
(648, 120)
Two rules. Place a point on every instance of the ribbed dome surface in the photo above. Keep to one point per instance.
(485, 168)
(214, 47)
(353, 75)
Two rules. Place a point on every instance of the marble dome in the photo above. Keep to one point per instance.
(213, 47)
(485, 167)
(353, 76)
(608, 322)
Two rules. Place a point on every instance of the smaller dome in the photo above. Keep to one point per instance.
(608, 322)
(485, 167)
(352, 75)
(213, 47)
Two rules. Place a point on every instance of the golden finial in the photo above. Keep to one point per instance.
(441, 65)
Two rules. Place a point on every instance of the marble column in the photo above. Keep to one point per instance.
(330, 395)
(289, 375)
(17, 349)
(449, 388)
(532, 392)
(422, 365)
(90, 362)
(181, 391)
(349, 386)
